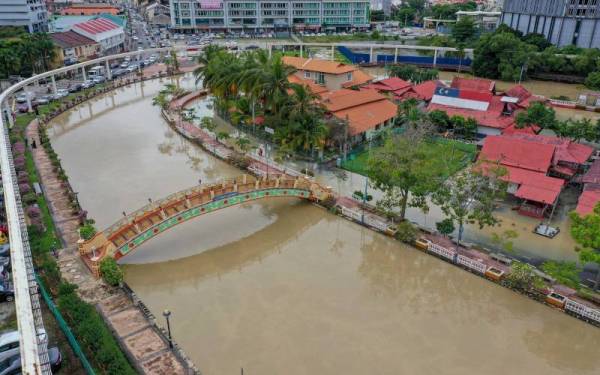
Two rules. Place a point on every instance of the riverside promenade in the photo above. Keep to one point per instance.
(137, 333)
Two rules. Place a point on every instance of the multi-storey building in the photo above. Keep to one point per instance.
(259, 15)
(29, 14)
(562, 22)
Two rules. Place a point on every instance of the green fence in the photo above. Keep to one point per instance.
(65, 328)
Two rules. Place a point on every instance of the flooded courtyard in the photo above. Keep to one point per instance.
(284, 287)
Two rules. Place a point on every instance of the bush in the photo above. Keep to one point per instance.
(23, 178)
(593, 80)
(24, 188)
(94, 336)
(110, 271)
(407, 232)
(29, 198)
(19, 148)
(34, 212)
(87, 231)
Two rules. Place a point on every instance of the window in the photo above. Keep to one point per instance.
(306, 74)
(349, 76)
(320, 78)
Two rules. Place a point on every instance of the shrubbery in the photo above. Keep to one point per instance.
(87, 231)
(92, 333)
(407, 232)
(110, 271)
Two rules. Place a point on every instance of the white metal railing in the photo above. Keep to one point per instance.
(34, 355)
(441, 251)
(371, 45)
(471, 263)
(582, 310)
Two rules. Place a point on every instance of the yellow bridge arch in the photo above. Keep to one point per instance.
(127, 234)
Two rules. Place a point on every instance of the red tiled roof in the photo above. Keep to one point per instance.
(70, 39)
(364, 109)
(426, 89)
(475, 84)
(588, 200)
(314, 87)
(566, 150)
(533, 186)
(390, 84)
(542, 193)
(513, 152)
(512, 129)
(317, 65)
(367, 116)
(592, 176)
(97, 26)
(358, 78)
(489, 118)
(344, 98)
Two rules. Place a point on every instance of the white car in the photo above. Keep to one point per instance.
(9, 342)
(132, 68)
(124, 65)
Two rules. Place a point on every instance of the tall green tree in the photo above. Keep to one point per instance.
(470, 197)
(585, 230)
(538, 114)
(405, 171)
(504, 55)
(464, 30)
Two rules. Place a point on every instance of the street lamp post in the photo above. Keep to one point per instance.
(167, 314)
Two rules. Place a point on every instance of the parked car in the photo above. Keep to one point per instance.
(7, 294)
(12, 365)
(4, 261)
(5, 250)
(98, 79)
(75, 87)
(44, 99)
(87, 84)
(22, 97)
(60, 93)
(132, 68)
(24, 108)
(124, 65)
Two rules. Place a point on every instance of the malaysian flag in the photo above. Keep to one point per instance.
(476, 100)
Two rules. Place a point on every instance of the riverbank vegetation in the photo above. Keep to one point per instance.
(92, 334)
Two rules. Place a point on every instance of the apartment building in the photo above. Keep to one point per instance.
(257, 15)
(562, 22)
(29, 14)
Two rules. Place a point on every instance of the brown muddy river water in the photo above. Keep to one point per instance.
(283, 287)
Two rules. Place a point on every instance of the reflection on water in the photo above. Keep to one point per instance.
(283, 287)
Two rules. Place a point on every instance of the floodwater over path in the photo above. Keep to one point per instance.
(283, 287)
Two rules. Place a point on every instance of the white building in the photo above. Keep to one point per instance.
(108, 34)
(30, 14)
(260, 15)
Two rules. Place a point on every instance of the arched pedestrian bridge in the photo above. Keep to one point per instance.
(159, 216)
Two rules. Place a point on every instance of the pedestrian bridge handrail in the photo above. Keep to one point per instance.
(34, 356)
(156, 217)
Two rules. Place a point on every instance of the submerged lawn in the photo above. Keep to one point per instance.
(457, 155)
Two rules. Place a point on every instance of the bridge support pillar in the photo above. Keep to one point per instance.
(137, 228)
(235, 187)
(188, 204)
(257, 185)
(54, 89)
(163, 214)
(277, 182)
(371, 54)
(396, 56)
(212, 194)
(245, 178)
(301, 50)
(332, 53)
(296, 183)
(435, 54)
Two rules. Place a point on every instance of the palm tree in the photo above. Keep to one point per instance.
(160, 100)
